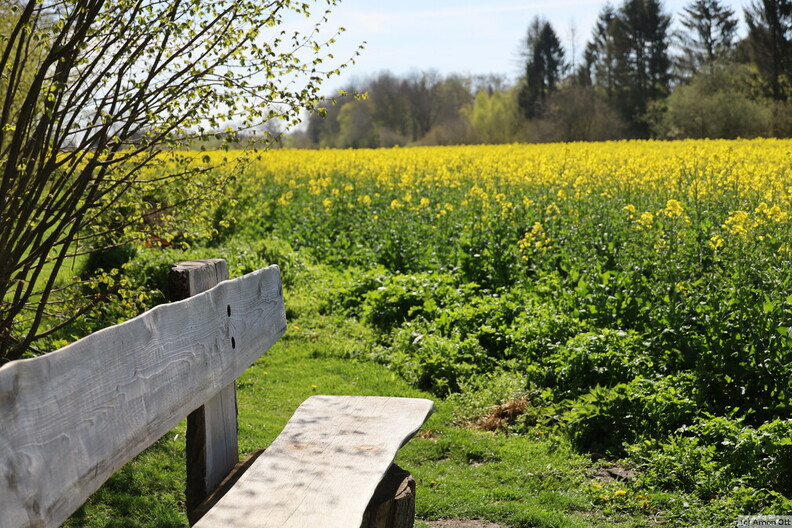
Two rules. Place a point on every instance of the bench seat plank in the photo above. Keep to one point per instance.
(324, 467)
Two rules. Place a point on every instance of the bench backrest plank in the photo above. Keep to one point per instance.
(71, 418)
(325, 465)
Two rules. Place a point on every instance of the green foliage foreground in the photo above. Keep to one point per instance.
(525, 472)
(639, 328)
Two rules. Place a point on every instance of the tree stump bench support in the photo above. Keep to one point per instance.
(71, 418)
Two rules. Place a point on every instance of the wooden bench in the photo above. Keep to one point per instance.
(71, 418)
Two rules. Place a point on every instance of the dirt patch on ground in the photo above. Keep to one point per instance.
(614, 473)
(500, 416)
(462, 523)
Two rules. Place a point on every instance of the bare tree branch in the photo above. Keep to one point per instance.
(96, 97)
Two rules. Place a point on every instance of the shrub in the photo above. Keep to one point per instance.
(716, 104)
(437, 363)
(538, 330)
(605, 358)
(348, 297)
(606, 418)
(405, 298)
(717, 454)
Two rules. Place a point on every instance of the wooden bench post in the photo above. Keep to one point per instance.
(212, 448)
(393, 503)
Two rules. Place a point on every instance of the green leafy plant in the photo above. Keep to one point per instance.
(606, 418)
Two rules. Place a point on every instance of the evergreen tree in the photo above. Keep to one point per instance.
(543, 69)
(628, 58)
(643, 41)
(712, 27)
(770, 43)
(600, 62)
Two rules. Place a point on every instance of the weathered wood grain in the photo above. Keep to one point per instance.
(324, 467)
(192, 277)
(212, 449)
(71, 418)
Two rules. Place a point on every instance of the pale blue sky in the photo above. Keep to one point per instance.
(462, 36)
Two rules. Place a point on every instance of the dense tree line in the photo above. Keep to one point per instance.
(638, 78)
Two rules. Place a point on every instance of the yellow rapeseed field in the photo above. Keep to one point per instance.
(724, 189)
(685, 169)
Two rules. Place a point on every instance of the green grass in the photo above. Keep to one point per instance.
(516, 480)
(149, 491)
